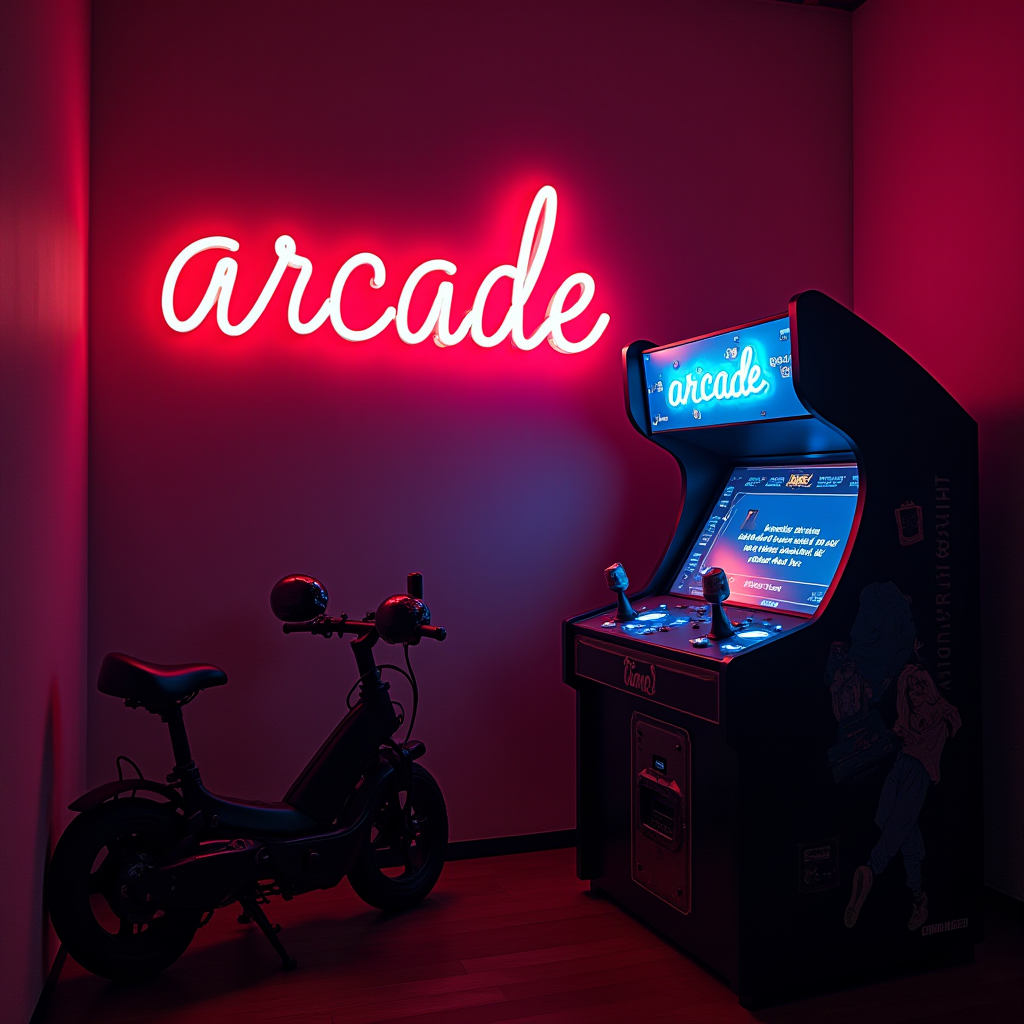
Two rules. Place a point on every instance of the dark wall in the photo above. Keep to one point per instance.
(939, 267)
(702, 154)
(44, 126)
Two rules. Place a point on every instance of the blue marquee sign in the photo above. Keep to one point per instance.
(742, 376)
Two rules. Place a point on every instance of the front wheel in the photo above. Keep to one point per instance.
(404, 849)
(98, 910)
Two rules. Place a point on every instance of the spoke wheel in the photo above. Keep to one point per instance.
(97, 908)
(404, 849)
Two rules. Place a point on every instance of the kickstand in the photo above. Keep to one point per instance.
(255, 913)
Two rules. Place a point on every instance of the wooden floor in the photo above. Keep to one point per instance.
(501, 939)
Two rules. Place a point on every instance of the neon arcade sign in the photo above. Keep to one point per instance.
(741, 376)
(721, 386)
(568, 302)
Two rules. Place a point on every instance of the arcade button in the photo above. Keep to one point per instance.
(608, 625)
(701, 641)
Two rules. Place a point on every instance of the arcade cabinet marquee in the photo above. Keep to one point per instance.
(779, 736)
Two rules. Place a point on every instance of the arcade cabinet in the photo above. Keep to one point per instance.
(779, 736)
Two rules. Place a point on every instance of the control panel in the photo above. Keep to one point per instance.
(681, 623)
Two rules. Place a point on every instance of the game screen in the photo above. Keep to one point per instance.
(741, 376)
(779, 533)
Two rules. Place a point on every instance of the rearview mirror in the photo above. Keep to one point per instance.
(298, 598)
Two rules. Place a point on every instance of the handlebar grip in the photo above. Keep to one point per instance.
(433, 632)
(298, 627)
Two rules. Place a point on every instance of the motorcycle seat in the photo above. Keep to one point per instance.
(154, 685)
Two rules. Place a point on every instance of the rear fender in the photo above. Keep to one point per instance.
(110, 790)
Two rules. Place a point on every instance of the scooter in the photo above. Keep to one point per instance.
(145, 864)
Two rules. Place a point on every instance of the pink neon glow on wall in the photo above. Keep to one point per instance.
(509, 478)
(44, 162)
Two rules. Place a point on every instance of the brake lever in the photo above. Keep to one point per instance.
(329, 625)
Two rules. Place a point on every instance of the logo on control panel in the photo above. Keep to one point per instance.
(799, 480)
(637, 680)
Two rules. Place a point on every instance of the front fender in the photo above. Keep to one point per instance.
(109, 790)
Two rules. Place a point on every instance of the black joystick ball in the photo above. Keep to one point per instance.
(715, 585)
(617, 580)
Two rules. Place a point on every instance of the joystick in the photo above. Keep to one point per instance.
(715, 585)
(617, 580)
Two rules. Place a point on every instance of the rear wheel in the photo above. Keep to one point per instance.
(96, 908)
(405, 847)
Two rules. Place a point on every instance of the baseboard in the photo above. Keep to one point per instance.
(501, 846)
(1007, 905)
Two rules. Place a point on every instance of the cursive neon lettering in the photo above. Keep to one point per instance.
(285, 249)
(437, 321)
(305, 269)
(745, 381)
(377, 279)
(443, 334)
(477, 332)
(558, 315)
(533, 250)
(212, 290)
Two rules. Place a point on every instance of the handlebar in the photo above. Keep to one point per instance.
(324, 625)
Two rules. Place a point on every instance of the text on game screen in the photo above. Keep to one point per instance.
(779, 533)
